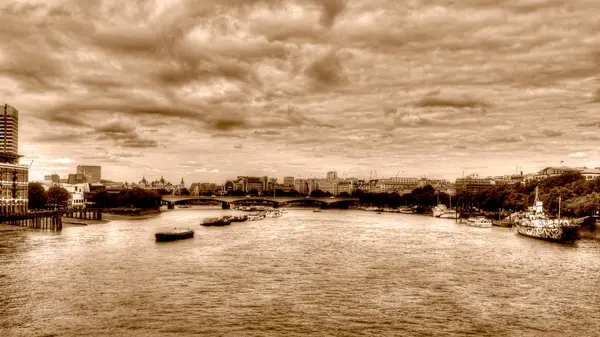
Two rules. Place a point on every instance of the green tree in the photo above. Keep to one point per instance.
(103, 199)
(319, 194)
(37, 196)
(139, 198)
(58, 196)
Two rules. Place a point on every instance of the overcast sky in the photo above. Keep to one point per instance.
(208, 90)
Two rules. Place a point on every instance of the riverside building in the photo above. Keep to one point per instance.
(13, 176)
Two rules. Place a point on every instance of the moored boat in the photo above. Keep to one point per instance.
(222, 221)
(441, 211)
(479, 221)
(238, 218)
(406, 210)
(316, 210)
(255, 217)
(175, 234)
(537, 224)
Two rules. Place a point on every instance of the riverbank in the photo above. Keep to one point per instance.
(112, 216)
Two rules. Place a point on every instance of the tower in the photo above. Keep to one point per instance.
(15, 177)
(9, 135)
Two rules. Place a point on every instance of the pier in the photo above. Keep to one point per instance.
(83, 213)
(49, 220)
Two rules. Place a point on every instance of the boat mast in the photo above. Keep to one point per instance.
(559, 207)
(450, 195)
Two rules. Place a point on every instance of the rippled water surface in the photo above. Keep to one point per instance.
(334, 273)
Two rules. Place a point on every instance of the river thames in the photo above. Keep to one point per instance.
(333, 273)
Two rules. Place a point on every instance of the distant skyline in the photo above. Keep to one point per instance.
(209, 91)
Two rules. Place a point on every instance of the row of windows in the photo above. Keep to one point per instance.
(8, 193)
(7, 175)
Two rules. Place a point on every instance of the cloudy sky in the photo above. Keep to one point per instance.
(208, 90)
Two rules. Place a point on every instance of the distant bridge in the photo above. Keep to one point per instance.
(170, 200)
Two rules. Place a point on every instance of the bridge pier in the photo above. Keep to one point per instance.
(225, 205)
(170, 205)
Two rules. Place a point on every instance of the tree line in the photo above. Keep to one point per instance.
(58, 197)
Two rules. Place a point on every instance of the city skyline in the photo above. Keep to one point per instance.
(301, 88)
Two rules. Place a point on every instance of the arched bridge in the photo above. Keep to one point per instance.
(170, 200)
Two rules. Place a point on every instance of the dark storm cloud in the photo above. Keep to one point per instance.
(506, 139)
(596, 97)
(389, 111)
(552, 133)
(137, 142)
(331, 9)
(66, 119)
(116, 126)
(123, 133)
(327, 71)
(224, 124)
(438, 99)
(290, 116)
(58, 137)
(594, 124)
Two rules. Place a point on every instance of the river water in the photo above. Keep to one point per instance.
(334, 273)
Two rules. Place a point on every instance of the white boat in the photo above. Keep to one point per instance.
(273, 214)
(441, 211)
(406, 210)
(316, 210)
(479, 221)
(255, 217)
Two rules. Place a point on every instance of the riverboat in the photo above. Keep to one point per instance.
(406, 210)
(479, 221)
(255, 217)
(441, 211)
(238, 218)
(184, 206)
(175, 234)
(273, 214)
(222, 221)
(316, 210)
(537, 224)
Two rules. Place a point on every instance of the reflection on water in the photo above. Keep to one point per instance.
(318, 274)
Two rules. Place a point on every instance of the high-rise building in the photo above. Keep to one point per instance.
(288, 181)
(9, 134)
(13, 177)
(93, 174)
(331, 175)
(301, 185)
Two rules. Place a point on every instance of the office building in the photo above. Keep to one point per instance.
(13, 176)
(9, 135)
(73, 179)
(93, 174)
(55, 178)
(288, 181)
